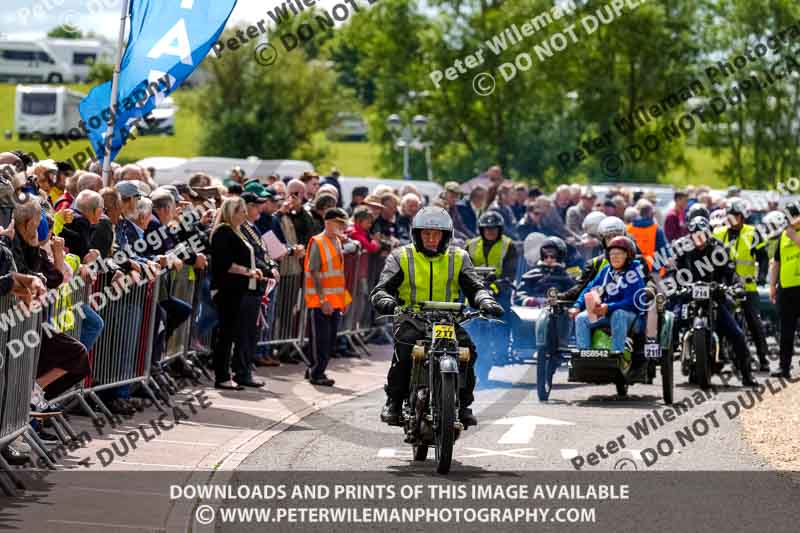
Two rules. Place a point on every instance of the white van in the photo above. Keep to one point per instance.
(81, 54)
(46, 110)
(31, 61)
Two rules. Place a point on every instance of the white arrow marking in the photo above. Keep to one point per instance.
(567, 453)
(522, 428)
(387, 453)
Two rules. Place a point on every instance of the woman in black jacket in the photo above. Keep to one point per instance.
(233, 274)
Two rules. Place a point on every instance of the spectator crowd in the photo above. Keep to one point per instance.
(253, 242)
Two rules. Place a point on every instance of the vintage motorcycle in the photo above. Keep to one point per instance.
(429, 414)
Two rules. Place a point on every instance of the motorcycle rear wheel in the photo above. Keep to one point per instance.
(447, 421)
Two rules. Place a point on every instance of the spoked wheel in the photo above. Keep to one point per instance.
(702, 358)
(420, 452)
(544, 377)
(667, 376)
(447, 420)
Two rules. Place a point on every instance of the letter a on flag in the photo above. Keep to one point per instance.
(167, 40)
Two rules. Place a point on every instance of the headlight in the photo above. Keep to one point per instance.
(552, 295)
(418, 353)
(464, 355)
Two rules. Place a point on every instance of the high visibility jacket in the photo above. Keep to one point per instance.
(646, 241)
(741, 252)
(433, 279)
(495, 257)
(331, 275)
(790, 262)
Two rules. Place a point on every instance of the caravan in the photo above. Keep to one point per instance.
(32, 61)
(46, 110)
(81, 54)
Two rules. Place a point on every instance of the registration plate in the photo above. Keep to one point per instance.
(444, 332)
(700, 292)
(593, 353)
(652, 351)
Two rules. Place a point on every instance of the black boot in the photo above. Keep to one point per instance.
(391, 413)
(466, 417)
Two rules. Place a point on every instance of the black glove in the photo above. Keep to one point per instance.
(386, 306)
(491, 308)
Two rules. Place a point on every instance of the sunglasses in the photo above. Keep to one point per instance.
(549, 256)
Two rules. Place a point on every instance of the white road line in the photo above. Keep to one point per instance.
(387, 453)
(568, 453)
(636, 454)
(139, 492)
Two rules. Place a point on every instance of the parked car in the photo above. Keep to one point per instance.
(348, 127)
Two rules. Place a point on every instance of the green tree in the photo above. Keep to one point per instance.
(100, 73)
(761, 134)
(267, 111)
(65, 32)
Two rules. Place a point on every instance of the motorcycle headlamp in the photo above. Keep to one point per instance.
(463, 355)
(418, 352)
(552, 295)
(661, 301)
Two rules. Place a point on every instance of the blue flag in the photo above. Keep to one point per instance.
(168, 39)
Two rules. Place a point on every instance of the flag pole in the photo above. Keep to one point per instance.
(114, 86)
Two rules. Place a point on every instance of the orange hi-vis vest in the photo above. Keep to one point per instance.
(646, 241)
(331, 275)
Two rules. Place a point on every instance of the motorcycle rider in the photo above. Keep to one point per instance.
(548, 272)
(492, 248)
(620, 284)
(427, 269)
(707, 248)
(746, 248)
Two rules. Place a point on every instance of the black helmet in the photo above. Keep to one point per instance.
(432, 218)
(558, 245)
(792, 209)
(490, 219)
(697, 210)
(698, 224)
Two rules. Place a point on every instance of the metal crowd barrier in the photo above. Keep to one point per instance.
(355, 266)
(185, 287)
(120, 358)
(18, 367)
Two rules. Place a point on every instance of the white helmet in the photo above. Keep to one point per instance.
(591, 222)
(611, 227)
(718, 218)
(774, 223)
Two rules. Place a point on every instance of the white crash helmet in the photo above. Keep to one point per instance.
(611, 227)
(591, 223)
(718, 218)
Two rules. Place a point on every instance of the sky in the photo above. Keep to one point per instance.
(32, 19)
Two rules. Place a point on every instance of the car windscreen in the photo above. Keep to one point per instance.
(39, 104)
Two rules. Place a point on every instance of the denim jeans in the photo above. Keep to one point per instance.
(91, 327)
(620, 321)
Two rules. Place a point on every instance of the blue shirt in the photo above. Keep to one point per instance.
(622, 289)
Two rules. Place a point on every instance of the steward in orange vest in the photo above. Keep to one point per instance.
(648, 236)
(326, 295)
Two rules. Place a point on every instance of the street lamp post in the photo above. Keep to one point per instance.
(407, 136)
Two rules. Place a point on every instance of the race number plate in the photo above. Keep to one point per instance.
(594, 353)
(444, 332)
(652, 351)
(700, 292)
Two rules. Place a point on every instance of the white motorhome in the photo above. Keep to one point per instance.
(46, 110)
(81, 54)
(32, 61)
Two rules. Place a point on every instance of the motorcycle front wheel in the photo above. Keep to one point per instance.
(447, 421)
(702, 358)
(420, 452)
